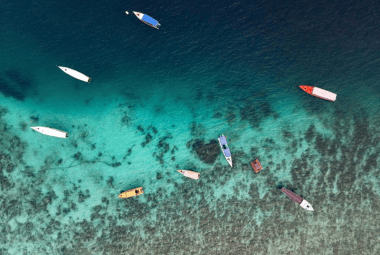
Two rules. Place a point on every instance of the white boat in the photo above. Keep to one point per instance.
(226, 151)
(75, 74)
(51, 132)
(190, 174)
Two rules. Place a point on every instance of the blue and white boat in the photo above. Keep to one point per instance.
(147, 19)
(226, 151)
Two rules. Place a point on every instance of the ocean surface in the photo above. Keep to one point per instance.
(157, 103)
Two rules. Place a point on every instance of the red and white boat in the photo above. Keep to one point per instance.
(317, 92)
(190, 174)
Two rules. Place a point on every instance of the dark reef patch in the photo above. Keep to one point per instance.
(206, 152)
(22, 82)
(23, 126)
(125, 120)
(175, 148)
(255, 111)
(197, 130)
(217, 115)
(140, 128)
(148, 139)
(154, 130)
(163, 147)
(78, 155)
(34, 118)
(310, 133)
(230, 115)
(9, 91)
(82, 197)
(110, 182)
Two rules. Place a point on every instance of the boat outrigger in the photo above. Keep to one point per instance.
(317, 92)
(299, 200)
(75, 74)
(147, 19)
(132, 193)
(190, 174)
(225, 149)
(51, 132)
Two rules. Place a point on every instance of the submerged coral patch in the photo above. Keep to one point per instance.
(206, 152)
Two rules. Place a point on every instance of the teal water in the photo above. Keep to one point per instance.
(158, 101)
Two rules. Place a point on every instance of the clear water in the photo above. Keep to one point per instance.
(158, 101)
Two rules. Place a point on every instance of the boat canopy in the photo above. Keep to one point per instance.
(225, 148)
(149, 20)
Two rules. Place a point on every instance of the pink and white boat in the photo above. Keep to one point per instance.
(190, 174)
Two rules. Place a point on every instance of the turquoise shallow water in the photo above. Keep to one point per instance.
(158, 101)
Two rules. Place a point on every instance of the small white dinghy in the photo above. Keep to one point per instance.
(75, 74)
(51, 132)
(190, 174)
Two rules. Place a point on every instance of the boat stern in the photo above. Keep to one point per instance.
(306, 205)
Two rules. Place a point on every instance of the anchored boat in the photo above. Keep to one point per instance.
(256, 165)
(317, 92)
(225, 149)
(299, 200)
(190, 174)
(75, 74)
(51, 132)
(132, 193)
(147, 19)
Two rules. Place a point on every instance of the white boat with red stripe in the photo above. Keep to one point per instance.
(317, 92)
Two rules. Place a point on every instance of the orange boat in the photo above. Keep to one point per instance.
(256, 165)
(132, 193)
(317, 92)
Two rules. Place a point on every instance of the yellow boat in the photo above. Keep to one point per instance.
(132, 193)
(190, 174)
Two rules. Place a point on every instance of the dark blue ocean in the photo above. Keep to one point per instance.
(158, 101)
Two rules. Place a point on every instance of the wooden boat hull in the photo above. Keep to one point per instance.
(189, 174)
(132, 193)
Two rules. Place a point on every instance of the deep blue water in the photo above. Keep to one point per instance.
(158, 101)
